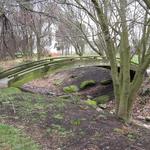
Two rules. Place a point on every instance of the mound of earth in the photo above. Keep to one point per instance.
(53, 84)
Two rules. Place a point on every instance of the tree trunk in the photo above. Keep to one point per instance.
(38, 44)
(123, 110)
(124, 89)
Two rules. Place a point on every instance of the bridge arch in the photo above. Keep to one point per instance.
(22, 74)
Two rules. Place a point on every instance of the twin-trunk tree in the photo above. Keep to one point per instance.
(125, 90)
(124, 27)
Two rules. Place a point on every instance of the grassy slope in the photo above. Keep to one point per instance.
(12, 139)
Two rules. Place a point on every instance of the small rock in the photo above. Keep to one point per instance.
(107, 147)
(65, 96)
(138, 111)
(147, 119)
(99, 109)
(112, 111)
(73, 76)
(89, 97)
(148, 72)
(103, 106)
(140, 117)
(50, 93)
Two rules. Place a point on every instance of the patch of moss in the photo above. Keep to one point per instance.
(12, 139)
(91, 102)
(58, 82)
(86, 84)
(70, 89)
(102, 99)
(106, 82)
(17, 81)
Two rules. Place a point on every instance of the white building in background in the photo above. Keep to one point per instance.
(52, 48)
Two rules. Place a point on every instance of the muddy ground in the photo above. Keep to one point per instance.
(67, 123)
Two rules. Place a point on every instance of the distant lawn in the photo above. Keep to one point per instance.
(12, 139)
(135, 59)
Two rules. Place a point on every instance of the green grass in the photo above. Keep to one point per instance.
(76, 122)
(24, 105)
(58, 116)
(9, 91)
(58, 129)
(28, 107)
(135, 59)
(12, 139)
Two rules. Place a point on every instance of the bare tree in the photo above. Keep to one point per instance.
(118, 30)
